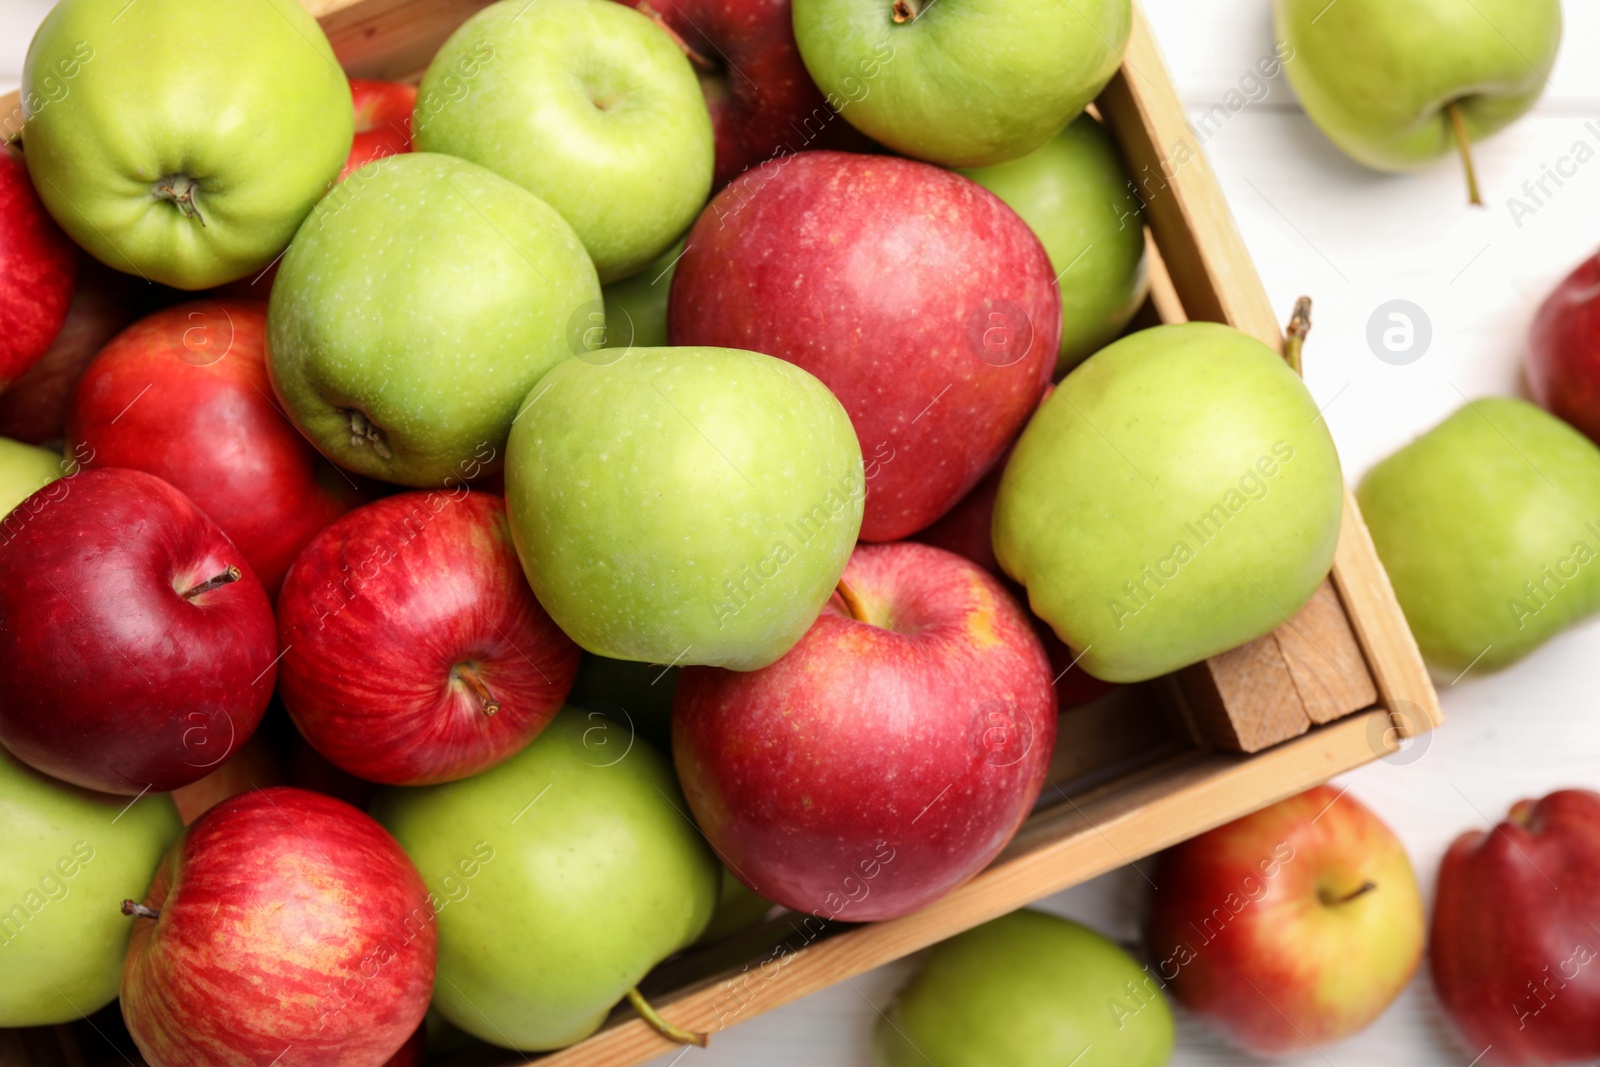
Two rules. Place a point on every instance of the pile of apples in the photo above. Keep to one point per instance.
(750, 366)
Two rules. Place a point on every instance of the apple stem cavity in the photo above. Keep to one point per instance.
(861, 609)
(906, 10)
(645, 8)
(180, 190)
(471, 679)
(363, 433)
(1294, 337)
(1361, 890)
(227, 577)
(139, 911)
(661, 1026)
(1464, 143)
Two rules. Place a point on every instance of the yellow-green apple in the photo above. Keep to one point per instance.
(140, 646)
(417, 306)
(1512, 945)
(683, 505)
(969, 84)
(1397, 84)
(560, 877)
(1563, 361)
(1027, 990)
(283, 927)
(1489, 527)
(635, 312)
(24, 470)
(922, 301)
(889, 756)
(38, 266)
(183, 394)
(589, 104)
(414, 651)
(1074, 192)
(67, 857)
(1176, 496)
(183, 144)
(1290, 928)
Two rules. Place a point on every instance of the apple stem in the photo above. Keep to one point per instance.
(475, 683)
(232, 574)
(906, 10)
(1295, 336)
(661, 1026)
(645, 8)
(139, 911)
(1464, 143)
(1360, 891)
(180, 189)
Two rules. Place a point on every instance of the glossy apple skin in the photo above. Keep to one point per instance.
(922, 301)
(112, 680)
(380, 614)
(383, 121)
(871, 770)
(1563, 362)
(1512, 954)
(291, 926)
(1247, 928)
(184, 395)
(37, 267)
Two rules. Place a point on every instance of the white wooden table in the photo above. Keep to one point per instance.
(1354, 240)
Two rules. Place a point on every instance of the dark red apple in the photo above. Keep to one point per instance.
(415, 651)
(383, 121)
(1564, 350)
(37, 266)
(1515, 946)
(286, 928)
(184, 395)
(140, 650)
(922, 301)
(414, 1053)
(889, 756)
(762, 100)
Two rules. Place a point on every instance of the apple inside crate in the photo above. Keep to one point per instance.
(1134, 771)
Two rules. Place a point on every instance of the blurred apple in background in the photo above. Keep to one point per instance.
(184, 395)
(634, 694)
(415, 652)
(1290, 928)
(24, 469)
(67, 856)
(383, 121)
(922, 301)
(254, 765)
(38, 266)
(1563, 362)
(1514, 944)
(635, 314)
(141, 648)
(889, 756)
(286, 927)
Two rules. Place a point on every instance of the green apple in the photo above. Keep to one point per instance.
(587, 103)
(738, 908)
(684, 505)
(1074, 192)
(418, 304)
(1380, 77)
(24, 469)
(68, 859)
(636, 307)
(559, 878)
(183, 142)
(1177, 495)
(1489, 527)
(961, 83)
(1027, 990)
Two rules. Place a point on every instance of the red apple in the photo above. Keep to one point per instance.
(1289, 928)
(383, 121)
(1516, 933)
(184, 395)
(917, 296)
(414, 1053)
(762, 100)
(139, 647)
(286, 928)
(1564, 349)
(415, 651)
(889, 756)
(37, 266)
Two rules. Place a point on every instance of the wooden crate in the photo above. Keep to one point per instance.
(1339, 684)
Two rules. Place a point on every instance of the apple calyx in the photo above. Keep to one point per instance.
(1331, 901)
(1294, 337)
(180, 190)
(469, 677)
(362, 433)
(139, 911)
(661, 1026)
(227, 577)
(906, 10)
(700, 62)
(1464, 145)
